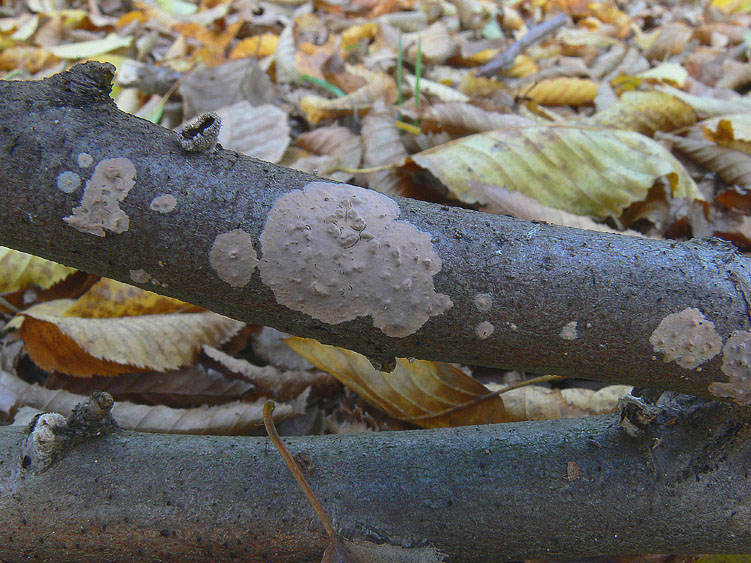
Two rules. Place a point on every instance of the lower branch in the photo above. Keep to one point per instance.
(570, 488)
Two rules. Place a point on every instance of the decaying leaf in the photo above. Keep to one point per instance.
(731, 131)
(19, 270)
(261, 132)
(597, 172)
(731, 165)
(335, 147)
(429, 394)
(464, 117)
(381, 87)
(230, 418)
(383, 147)
(563, 90)
(110, 298)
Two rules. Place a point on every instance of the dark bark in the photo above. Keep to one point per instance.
(479, 494)
(541, 277)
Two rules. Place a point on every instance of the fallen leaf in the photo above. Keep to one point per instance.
(563, 90)
(730, 131)
(261, 132)
(19, 270)
(87, 49)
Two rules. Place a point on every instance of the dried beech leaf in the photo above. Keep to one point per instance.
(671, 41)
(436, 89)
(461, 117)
(19, 270)
(231, 418)
(706, 107)
(730, 131)
(383, 146)
(560, 91)
(501, 201)
(731, 165)
(437, 44)
(645, 113)
(596, 172)
(382, 87)
(111, 346)
(109, 298)
(419, 392)
(284, 57)
(541, 403)
(256, 46)
(261, 132)
(336, 146)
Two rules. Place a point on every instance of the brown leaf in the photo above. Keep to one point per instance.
(383, 146)
(109, 298)
(261, 132)
(429, 394)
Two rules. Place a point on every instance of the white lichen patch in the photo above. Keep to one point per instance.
(68, 182)
(484, 329)
(736, 364)
(483, 301)
(687, 338)
(85, 160)
(140, 276)
(233, 257)
(569, 332)
(164, 203)
(337, 252)
(100, 205)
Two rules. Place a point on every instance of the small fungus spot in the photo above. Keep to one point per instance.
(336, 252)
(164, 203)
(233, 257)
(85, 160)
(483, 301)
(484, 329)
(568, 332)
(687, 338)
(140, 276)
(573, 471)
(100, 205)
(736, 364)
(68, 182)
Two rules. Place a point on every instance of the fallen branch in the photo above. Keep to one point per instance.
(508, 293)
(571, 488)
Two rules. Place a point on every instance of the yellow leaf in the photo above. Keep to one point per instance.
(645, 113)
(256, 46)
(86, 49)
(596, 172)
(708, 106)
(429, 394)
(381, 86)
(19, 270)
(562, 90)
(357, 33)
(732, 6)
(731, 131)
(524, 65)
(672, 73)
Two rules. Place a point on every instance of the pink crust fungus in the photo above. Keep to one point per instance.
(85, 160)
(233, 257)
(483, 301)
(686, 338)
(164, 203)
(99, 210)
(336, 252)
(484, 329)
(568, 332)
(736, 364)
(140, 276)
(68, 182)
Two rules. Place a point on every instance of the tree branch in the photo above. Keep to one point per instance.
(540, 279)
(478, 494)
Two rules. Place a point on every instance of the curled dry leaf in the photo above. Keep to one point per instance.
(382, 87)
(261, 132)
(731, 165)
(335, 147)
(541, 403)
(429, 394)
(256, 46)
(19, 270)
(730, 131)
(706, 107)
(230, 418)
(671, 40)
(597, 172)
(437, 44)
(383, 147)
(284, 57)
(462, 117)
(561, 91)
(620, 59)
(436, 89)
(645, 113)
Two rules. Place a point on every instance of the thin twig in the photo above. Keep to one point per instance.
(268, 422)
(504, 60)
(482, 398)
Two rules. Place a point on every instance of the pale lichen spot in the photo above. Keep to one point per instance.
(140, 276)
(68, 182)
(164, 203)
(233, 257)
(736, 364)
(687, 338)
(484, 329)
(483, 301)
(85, 160)
(336, 252)
(100, 205)
(569, 332)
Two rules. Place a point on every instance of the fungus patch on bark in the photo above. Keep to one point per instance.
(233, 257)
(736, 364)
(164, 203)
(140, 276)
(336, 252)
(484, 329)
(687, 338)
(568, 332)
(100, 205)
(483, 301)
(85, 160)
(68, 182)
